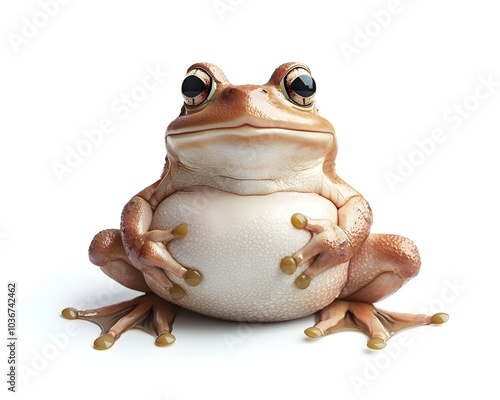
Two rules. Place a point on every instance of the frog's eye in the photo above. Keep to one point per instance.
(299, 87)
(197, 87)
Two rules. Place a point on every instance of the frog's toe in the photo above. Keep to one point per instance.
(180, 230)
(288, 265)
(193, 277)
(439, 318)
(165, 339)
(299, 220)
(302, 281)
(379, 325)
(104, 342)
(148, 313)
(314, 332)
(70, 313)
(376, 343)
(177, 292)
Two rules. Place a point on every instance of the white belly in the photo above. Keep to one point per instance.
(237, 243)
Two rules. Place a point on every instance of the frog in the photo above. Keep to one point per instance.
(250, 222)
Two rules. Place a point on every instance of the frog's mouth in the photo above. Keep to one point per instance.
(249, 153)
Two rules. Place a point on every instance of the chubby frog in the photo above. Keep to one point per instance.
(250, 222)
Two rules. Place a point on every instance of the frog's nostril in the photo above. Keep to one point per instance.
(264, 91)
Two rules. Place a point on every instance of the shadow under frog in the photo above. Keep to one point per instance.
(250, 222)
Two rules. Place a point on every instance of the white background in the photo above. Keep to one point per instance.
(421, 60)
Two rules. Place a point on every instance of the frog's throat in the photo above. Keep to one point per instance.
(248, 153)
(250, 161)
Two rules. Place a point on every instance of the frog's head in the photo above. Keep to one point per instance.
(250, 131)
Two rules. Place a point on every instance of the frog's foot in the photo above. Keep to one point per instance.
(379, 325)
(148, 312)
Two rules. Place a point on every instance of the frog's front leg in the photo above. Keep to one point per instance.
(147, 250)
(147, 312)
(383, 264)
(334, 241)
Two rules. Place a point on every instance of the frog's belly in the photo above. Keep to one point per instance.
(237, 243)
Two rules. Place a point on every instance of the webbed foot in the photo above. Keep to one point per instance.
(148, 312)
(379, 325)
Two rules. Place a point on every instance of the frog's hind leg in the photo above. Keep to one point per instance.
(379, 325)
(383, 265)
(147, 312)
(107, 252)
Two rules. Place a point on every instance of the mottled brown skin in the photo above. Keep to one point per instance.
(378, 265)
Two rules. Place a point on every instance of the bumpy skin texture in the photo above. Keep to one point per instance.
(249, 221)
(239, 242)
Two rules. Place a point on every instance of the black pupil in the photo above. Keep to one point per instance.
(304, 85)
(192, 86)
